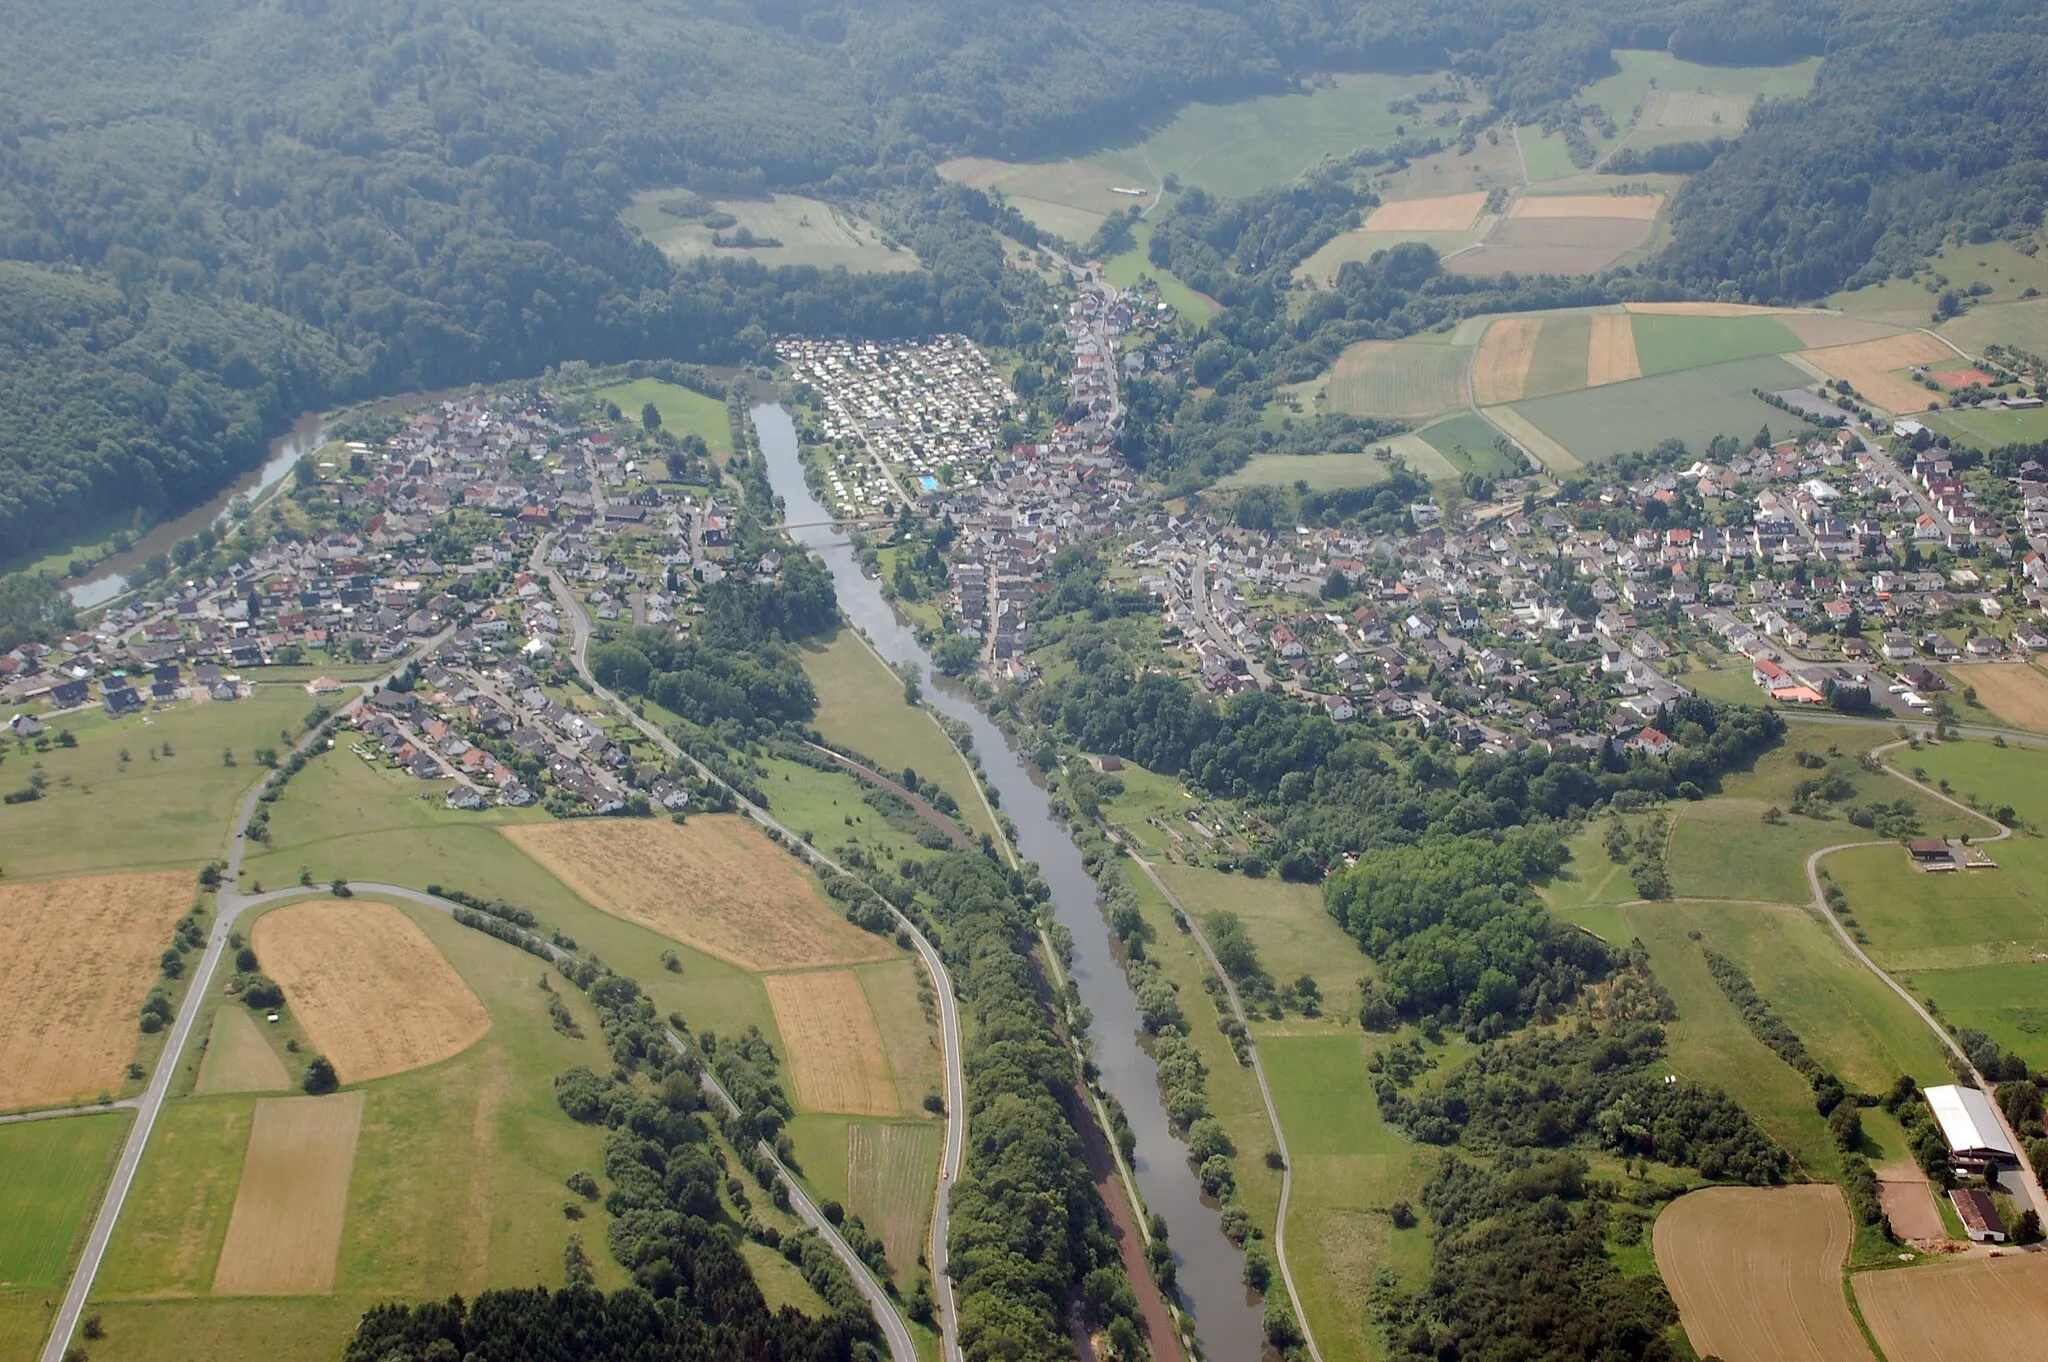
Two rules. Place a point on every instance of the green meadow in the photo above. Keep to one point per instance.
(683, 410)
(51, 1173)
(1693, 405)
(1128, 267)
(1669, 344)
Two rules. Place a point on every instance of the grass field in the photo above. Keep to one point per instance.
(1693, 406)
(1992, 429)
(100, 813)
(860, 707)
(1562, 353)
(1467, 441)
(1387, 378)
(50, 1172)
(1540, 447)
(1670, 100)
(368, 986)
(238, 1058)
(715, 883)
(1756, 1272)
(2020, 323)
(811, 233)
(2016, 693)
(1362, 245)
(285, 1231)
(1668, 344)
(1958, 1311)
(910, 1043)
(85, 954)
(1547, 157)
(683, 412)
(2008, 1003)
(831, 1042)
(1294, 933)
(1322, 472)
(1124, 270)
(2000, 266)
(890, 1170)
(1566, 245)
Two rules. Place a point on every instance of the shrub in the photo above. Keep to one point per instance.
(320, 1077)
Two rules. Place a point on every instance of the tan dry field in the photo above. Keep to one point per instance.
(714, 883)
(1552, 245)
(83, 953)
(1634, 207)
(238, 1058)
(1825, 330)
(832, 1043)
(2016, 692)
(1701, 309)
(1872, 367)
(1959, 1311)
(285, 1232)
(1611, 356)
(1500, 370)
(374, 994)
(887, 1175)
(1757, 1273)
(1447, 213)
(1909, 1205)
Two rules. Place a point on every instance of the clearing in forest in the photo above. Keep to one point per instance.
(373, 992)
(1958, 1311)
(2016, 692)
(83, 953)
(1611, 356)
(1501, 367)
(715, 884)
(1757, 1273)
(832, 1042)
(889, 1184)
(286, 1229)
(1635, 207)
(1447, 213)
(238, 1058)
(1873, 368)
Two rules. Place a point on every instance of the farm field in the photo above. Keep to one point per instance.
(1611, 355)
(1467, 441)
(1125, 269)
(285, 1231)
(891, 1168)
(1445, 213)
(84, 957)
(1547, 157)
(1562, 355)
(910, 1043)
(1539, 446)
(1930, 922)
(1681, 101)
(811, 232)
(238, 1058)
(100, 813)
(831, 1042)
(1877, 368)
(1693, 406)
(715, 883)
(683, 411)
(1566, 244)
(50, 1172)
(2016, 693)
(368, 986)
(1666, 344)
(1756, 1272)
(1500, 369)
(2008, 1003)
(1958, 1311)
(1322, 472)
(860, 707)
(1401, 379)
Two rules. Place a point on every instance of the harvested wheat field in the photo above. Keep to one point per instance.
(238, 1058)
(713, 883)
(2016, 692)
(374, 994)
(1541, 447)
(1500, 370)
(1757, 1273)
(1450, 213)
(832, 1043)
(1824, 330)
(83, 953)
(889, 1175)
(1909, 1205)
(1872, 368)
(1635, 207)
(1959, 1311)
(1611, 355)
(1701, 309)
(285, 1232)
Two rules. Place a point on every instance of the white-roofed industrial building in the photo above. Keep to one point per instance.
(1970, 1126)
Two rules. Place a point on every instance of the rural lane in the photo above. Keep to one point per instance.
(935, 966)
(52, 1113)
(2029, 1179)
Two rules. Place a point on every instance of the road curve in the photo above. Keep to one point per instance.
(2029, 1178)
(934, 965)
(1265, 1094)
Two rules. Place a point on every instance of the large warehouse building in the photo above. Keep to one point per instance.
(1970, 1126)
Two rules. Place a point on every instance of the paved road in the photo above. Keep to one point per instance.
(1265, 1094)
(935, 966)
(2029, 1180)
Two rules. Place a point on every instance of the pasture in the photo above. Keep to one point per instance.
(238, 1058)
(50, 1173)
(2007, 1002)
(683, 411)
(1693, 406)
(832, 1043)
(2016, 693)
(1991, 429)
(1657, 99)
(1530, 437)
(285, 1231)
(1546, 156)
(370, 989)
(1876, 369)
(1959, 1311)
(1667, 344)
(2005, 271)
(2020, 323)
(1943, 922)
(1127, 268)
(715, 883)
(1756, 1272)
(85, 952)
(1402, 379)
(1293, 931)
(1322, 472)
(812, 232)
(1467, 441)
(891, 1168)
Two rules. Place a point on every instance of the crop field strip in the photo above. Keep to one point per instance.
(1565, 246)
(1634, 207)
(1546, 451)
(2016, 692)
(890, 1168)
(1961, 1311)
(1873, 368)
(1561, 360)
(1693, 405)
(1666, 345)
(832, 1043)
(238, 1058)
(85, 952)
(1757, 1272)
(1446, 213)
(371, 990)
(285, 1234)
(1611, 350)
(49, 1173)
(1393, 378)
(1500, 369)
(715, 884)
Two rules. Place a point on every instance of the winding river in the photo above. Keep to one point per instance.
(1210, 1269)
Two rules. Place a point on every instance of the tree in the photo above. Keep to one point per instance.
(650, 418)
(320, 1077)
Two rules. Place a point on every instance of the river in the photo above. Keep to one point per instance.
(1210, 1268)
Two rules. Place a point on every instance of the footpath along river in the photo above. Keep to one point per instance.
(1210, 1268)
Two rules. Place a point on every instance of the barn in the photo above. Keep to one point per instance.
(1980, 1218)
(1970, 1126)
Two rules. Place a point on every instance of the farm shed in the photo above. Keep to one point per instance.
(1970, 1126)
(1979, 1216)
(1931, 853)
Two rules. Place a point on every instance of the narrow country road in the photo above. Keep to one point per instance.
(52, 1113)
(935, 966)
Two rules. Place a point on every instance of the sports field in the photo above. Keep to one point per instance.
(368, 986)
(891, 1168)
(1693, 406)
(715, 883)
(1756, 1272)
(812, 232)
(832, 1044)
(1389, 378)
(238, 1058)
(683, 411)
(286, 1228)
(1959, 1311)
(83, 954)
(2016, 693)
(1876, 369)
(50, 1172)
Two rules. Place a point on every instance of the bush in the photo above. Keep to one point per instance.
(320, 1077)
